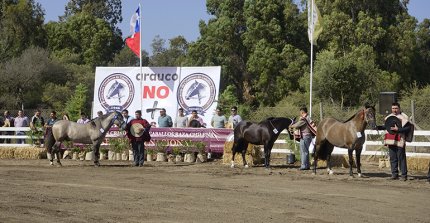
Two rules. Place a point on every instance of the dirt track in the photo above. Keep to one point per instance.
(32, 191)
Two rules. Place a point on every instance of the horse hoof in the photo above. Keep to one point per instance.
(96, 164)
(330, 172)
(232, 166)
(246, 166)
(359, 175)
(51, 163)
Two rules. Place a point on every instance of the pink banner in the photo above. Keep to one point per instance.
(214, 138)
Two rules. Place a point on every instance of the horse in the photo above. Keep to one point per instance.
(348, 134)
(196, 88)
(264, 133)
(92, 132)
(116, 89)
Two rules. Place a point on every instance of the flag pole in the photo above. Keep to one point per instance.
(312, 55)
(140, 58)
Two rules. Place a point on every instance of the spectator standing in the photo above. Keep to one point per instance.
(36, 124)
(164, 120)
(138, 132)
(219, 120)
(21, 121)
(84, 119)
(8, 121)
(127, 118)
(181, 120)
(234, 118)
(195, 116)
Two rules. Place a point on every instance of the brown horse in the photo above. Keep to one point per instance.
(348, 134)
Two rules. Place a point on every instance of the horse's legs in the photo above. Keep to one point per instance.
(357, 160)
(329, 151)
(96, 149)
(57, 152)
(52, 152)
(245, 146)
(234, 149)
(267, 150)
(351, 161)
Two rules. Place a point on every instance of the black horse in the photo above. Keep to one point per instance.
(264, 133)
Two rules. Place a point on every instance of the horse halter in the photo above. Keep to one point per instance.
(116, 118)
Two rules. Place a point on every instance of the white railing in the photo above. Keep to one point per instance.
(367, 143)
(14, 130)
(336, 151)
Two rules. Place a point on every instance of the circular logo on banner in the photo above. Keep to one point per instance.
(116, 92)
(196, 92)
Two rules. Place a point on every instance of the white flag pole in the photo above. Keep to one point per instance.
(140, 58)
(312, 54)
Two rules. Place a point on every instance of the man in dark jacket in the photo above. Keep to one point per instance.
(138, 132)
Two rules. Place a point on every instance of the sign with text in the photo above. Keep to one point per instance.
(192, 88)
(213, 138)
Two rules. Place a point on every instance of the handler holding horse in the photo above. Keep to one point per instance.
(92, 132)
(348, 134)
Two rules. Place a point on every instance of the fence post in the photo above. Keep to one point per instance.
(321, 111)
(412, 120)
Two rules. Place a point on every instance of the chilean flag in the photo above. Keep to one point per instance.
(133, 42)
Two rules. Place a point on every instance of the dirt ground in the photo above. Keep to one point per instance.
(32, 191)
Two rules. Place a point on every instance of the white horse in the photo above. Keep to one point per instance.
(92, 132)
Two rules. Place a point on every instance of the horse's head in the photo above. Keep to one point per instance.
(369, 116)
(117, 119)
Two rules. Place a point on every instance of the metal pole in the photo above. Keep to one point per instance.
(412, 120)
(140, 58)
(312, 55)
(321, 111)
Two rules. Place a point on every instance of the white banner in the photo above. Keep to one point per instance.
(192, 88)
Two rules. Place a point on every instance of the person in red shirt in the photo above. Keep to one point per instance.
(138, 133)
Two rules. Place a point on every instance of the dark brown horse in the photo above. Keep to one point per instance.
(264, 133)
(348, 134)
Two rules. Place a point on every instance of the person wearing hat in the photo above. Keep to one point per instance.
(181, 120)
(164, 120)
(397, 126)
(234, 118)
(219, 120)
(8, 121)
(138, 132)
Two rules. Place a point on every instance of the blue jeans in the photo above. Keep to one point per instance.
(138, 152)
(20, 141)
(305, 142)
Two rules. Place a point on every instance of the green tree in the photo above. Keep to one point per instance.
(77, 102)
(172, 56)
(82, 34)
(21, 26)
(126, 58)
(24, 78)
(108, 10)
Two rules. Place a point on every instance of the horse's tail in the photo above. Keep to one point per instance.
(49, 140)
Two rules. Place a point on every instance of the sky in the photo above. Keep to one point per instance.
(171, 18)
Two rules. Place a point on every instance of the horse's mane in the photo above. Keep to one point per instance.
(353, 116)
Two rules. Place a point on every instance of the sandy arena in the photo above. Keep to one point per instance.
(32, 191)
